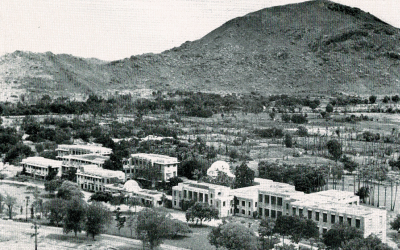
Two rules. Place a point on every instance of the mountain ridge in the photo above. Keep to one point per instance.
(314, 47)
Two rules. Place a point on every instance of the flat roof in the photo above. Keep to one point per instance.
(95, 170)
(93, 148)
(333, 195)
(87, 157)
(356, 210)
(41, 161)
(203, 185)
(156, 158)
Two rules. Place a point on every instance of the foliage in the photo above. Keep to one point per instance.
(69, 175)
(372, 242)
(49, 154)
(52, 185)
(395, 224)
(269, 132)
(119, 219)
(55, 210)
(101, 196)
(244, 176)
(305, 178)
(52, 173)
(296, 227)
(372, 99)
(10, 202)
(302, 131)
(150, 227)
(114, 163)
(299, 118)
(340, 233)
(371, 137)
(97, 216)
(17, 153)
(201, 211)
(265, 233)
(329, 108)
(335, 149)
(75, 215)
(222, 179)
(233, 236)
(188, 166)
(348, 164)
(69, 190)
(288, 140)
(175, 227)
(363, 192)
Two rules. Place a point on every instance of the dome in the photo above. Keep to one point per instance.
(219, 166)
(132, 186)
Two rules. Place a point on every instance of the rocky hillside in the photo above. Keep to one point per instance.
(315, 47)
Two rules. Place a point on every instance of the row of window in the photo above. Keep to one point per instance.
(269, 213)
(273, 200)
(194, 196)
(325, 217)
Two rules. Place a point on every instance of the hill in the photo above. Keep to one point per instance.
(314, 47)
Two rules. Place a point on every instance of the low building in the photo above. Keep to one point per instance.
(215, 195)
(326, 214)
(74, 161)
(39, 166)
(65, 149)
(131, 188)
(273, 199)
(93, 178)
(159, 167)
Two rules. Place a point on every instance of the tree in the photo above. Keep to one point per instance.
(395, 224)
(244, 176)
(1, 203)
(272, 115)
(372, 99)
(329, 108)
(201, 211)
(52, 173)
(53, 185)
(18, 152)
(395, 98)
(75, 215)
(101, 196)
(372, 242)
(283, 226)
(69, 190)
(97, 216)
(175, 227)
(10, 201)
(149, 227)
(233, 236)
(340, 233)
(119, 219)
(133, 202)
(335, 149)
(55, 210)
(265, 233)
(302, 131)
(69, 175)
(288, 140)
(363, 192)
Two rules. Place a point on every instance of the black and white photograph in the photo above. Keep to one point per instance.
(200, 124)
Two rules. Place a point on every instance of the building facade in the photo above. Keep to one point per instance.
(151, 166)
(92, 178)
(273, 199)
(65, 149)
(39, 166)
(215, 195)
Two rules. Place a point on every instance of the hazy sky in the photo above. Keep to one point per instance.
(115, 29)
